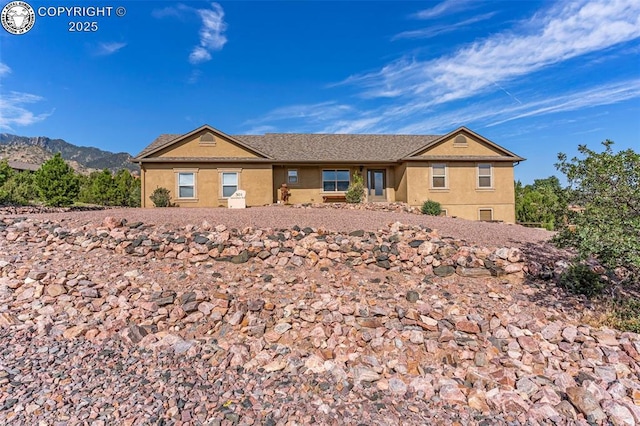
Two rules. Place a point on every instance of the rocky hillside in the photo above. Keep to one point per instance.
(37, 150)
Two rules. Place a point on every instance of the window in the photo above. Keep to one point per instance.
(186, 185)
(335, 180)
(438, 176)
(485, 214)
(484, 176)
(229, 184)
(443, 212)
(292, 176)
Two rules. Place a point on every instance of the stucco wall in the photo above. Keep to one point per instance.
(192, 147)
(472, 146)
(309, 186)
(400, 178)
(462, 197)
(254, 178)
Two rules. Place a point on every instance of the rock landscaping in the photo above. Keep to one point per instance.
(130, 322)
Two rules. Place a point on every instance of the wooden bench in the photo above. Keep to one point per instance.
(337, 198)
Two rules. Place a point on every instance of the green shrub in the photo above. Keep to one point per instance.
(355, 192)
(57, 183)
(606, 186)
(431, 208)
(625, 315)
(580, 279)
(19, 189)
(5, 171)
(161, 197)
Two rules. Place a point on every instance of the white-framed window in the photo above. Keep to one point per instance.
(292, 176)
(228, 183)
(444, 212)
(485, 214)
(485, 176)
(439, 176)
(186, 184)
(335, 180)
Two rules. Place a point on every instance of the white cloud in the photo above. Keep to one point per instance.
(168, 11)
(14, 112)
(4, 69)
(436, 30)
(603, 95)
(446, 7)
(212, 37)
(194, 77)
(105, 49)
(423, 118)
(199, 54)
(483, 83)
(311, 113)
(562, 33)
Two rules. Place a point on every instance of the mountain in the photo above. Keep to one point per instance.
(84, 159)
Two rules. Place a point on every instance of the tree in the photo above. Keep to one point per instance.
(19, 189)
(108, 190)
(606, 185)
(125, 189)
(355, 191)
(56, 182)
(5, 171)
(544, 202)
(101, 188)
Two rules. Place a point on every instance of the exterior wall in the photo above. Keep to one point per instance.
(309, 186)
(400, 172)
(472, 147)
(192, 147)
(462, 198)
(254, 178)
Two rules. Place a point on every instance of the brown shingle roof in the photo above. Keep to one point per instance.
(320, 147)
(20, 165)
(335, 148)
(160, 141)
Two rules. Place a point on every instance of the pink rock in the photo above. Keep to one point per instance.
(451, 394)
(528, 343)
(468, 326)
(111, 222)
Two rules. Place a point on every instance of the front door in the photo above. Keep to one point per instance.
(376, 184)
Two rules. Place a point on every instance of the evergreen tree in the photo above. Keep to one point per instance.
(5, 171)
(56, 182)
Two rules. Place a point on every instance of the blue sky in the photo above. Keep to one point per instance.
(535, 77)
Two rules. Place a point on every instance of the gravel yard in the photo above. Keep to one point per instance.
(110, 323)
(331, 219)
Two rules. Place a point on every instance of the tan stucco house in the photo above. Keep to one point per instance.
(470, 176)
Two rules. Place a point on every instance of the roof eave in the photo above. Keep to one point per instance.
(199, 129)
(202, 160)
(453, 158)
(508, 153)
